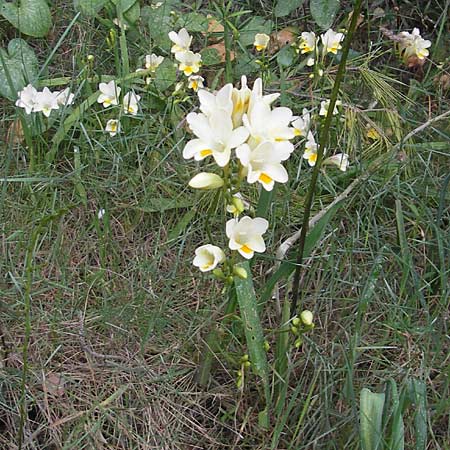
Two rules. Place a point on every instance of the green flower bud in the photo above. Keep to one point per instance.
(240, 272)
(307, 317)
(294, 329)
(247, 364)
(266, 346)
(238, 204)
(298, 343)
(219, 273)
(296, 321)
(244, 358)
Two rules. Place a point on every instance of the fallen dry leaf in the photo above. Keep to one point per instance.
(214, 27)
(220, 48)
(53, 384)
(281, 38)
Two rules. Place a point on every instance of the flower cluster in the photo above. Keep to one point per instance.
(43, 101)
(248, 139)
(412, 44)
(189, 62)
(110, 96)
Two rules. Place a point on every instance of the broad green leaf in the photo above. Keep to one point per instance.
(19, 66)
(287, 267)
(254, 334)
(31, 17)
(370, 419)
(193, 22)
(166, 75)
(210, 57)
(130, 10)
(160, 23)
(255, 25)
(286, 56)
(89, 7)
(285, 7)
(324, 12)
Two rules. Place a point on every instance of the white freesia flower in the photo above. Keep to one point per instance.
(325, 104)
(310, 61)
(109, 93)
(310, 153)
(340, 160)
(308, 42)
(302, 124)
(413, 44)
(261, 41)
(241, 99)
(265, 124)
(153, 61)
(206, 180)
(65, 97)
(262, 164)
(181, 40)
(130, 103)
(257, 95)
(195, 82)
(220, 100)
(245, 235)
(215, 135)
(101, 213)
(27, 98)
(331, 41)
(112, 127)
(190, 62)
(46, 101)
(207, 257)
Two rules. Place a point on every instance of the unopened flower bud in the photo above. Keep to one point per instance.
(206, 180)
(266, 346)
(244, 358)
(298, 343)
(218, 273)
(90, 57)
(296, 321)
(307, 317)
(240, 272)
(294, 329)
(247, 364)
(238, 204)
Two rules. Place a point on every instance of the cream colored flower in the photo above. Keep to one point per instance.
(340, 160)
(241, 99)
(190, 62)
(206, 180)
(331, 41)
(263, 164)
(412, 44)
(261, 41)
(310, 153)
(46, 101)
(152, 62)
(238, 205)
(181, 40)
(325, 104)
(109, 94)
(65, 97)
(302, 124)
(112, 127)
(216, 137)
(27, 98)
(308, 42)
(245, 235)
(307, 317)
(195, 82)
(207, 257)
(220, 100)
(130, 103)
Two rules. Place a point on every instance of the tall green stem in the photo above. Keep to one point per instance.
(323, 142)
(227, 41)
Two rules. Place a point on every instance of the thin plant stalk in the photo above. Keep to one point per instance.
(323, 142)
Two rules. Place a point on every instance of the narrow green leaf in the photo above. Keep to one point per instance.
(370, 419)
(418, 397)
(397, 437)
(31, 17)
(254, 335)
(324, 12)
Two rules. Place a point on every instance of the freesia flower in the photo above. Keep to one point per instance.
(340, 160)
(263, 164)
(195, 82)
(27, 98)
(325, 104)
(101, 213)
(307, 42)
(257, 95)
(112, 127)
(331, 41)
(153, 61)
(65, 97)
(222, 99)
(206, 180)
(310, 62)
(310, 153)
(241, 99)
(109, 93)
(301, 124)
(216, 137)
(207, 257)
(245, 235)
(182, 41)
(130, 103)
(265, 124)
(261, 41)
(412, 44)
(307, 317)
(46, 101)
(190, 62)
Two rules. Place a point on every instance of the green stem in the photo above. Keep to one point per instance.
(323, 142)
(228, 42)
